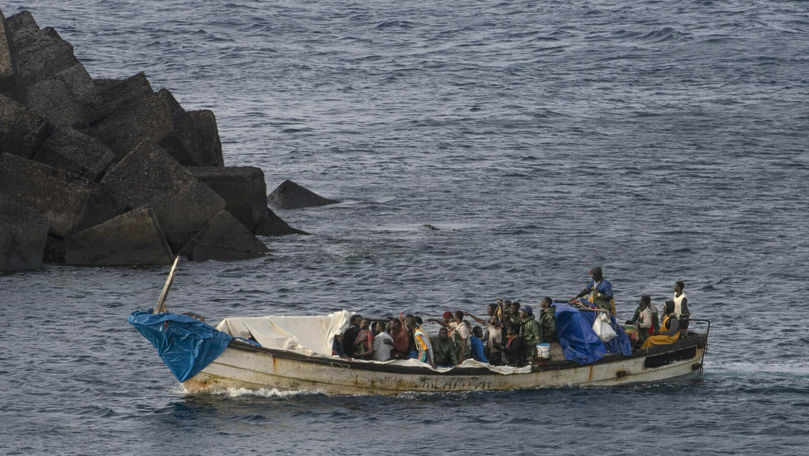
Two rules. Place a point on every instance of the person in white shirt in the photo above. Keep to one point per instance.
(383, 343)
(681, 306)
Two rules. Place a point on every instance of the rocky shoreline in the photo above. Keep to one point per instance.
(109, 172)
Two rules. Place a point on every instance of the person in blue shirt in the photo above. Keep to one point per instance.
(476, 339)
(600, 290)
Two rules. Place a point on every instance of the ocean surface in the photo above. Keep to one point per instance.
(663, 141)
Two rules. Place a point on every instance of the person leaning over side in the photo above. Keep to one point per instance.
(529, 331)
(601, 291)
(669, 329)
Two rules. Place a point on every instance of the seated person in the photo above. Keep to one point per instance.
(476, 341)
(364, 343)
(401, 340)
(547, 321)
(513, 348)
(444, 349)
(643, 323)
(337, 347)
(669, 329)
(383, 342)
(350, 335)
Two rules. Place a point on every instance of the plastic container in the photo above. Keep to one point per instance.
(544, 351)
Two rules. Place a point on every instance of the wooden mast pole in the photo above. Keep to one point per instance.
(161, 302)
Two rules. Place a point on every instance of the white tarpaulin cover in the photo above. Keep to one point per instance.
(308, 335)
(313, 335)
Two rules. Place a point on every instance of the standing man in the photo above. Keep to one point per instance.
(350, 335)
(601, 291)
(401, 339)
(421, 341)
(529, 331)
(547, 321)
(681, 306)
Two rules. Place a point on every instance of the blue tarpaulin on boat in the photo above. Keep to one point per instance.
(186, 345)
(578, 340)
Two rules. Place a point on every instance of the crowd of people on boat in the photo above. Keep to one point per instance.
(510, 334)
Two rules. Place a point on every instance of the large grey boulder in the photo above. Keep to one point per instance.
(53, 81)
(290, 195)
(8, 62)
(58, 195)
(74, 151)
(22, 131)
(23, 233)
(158, 117)
(224, 238)
(149, 176)
(133, 238)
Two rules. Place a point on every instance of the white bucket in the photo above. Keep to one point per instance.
(544, 351)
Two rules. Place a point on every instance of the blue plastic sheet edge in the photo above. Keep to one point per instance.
(186, 345)
(578, 340)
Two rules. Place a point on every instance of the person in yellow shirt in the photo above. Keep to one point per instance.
(669, 331)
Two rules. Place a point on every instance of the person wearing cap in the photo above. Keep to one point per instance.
(529, 332)
(669, 329)
(600, 290)
(547, 321)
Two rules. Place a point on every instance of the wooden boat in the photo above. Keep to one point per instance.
(238, 363)
(243, 365)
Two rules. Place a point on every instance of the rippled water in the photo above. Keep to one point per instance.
(662, 140)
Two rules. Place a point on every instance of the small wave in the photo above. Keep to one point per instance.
(263, 392)
(395, 24)
(748, 367)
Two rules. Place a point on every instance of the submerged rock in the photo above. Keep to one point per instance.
(272, 225)
(290, 195)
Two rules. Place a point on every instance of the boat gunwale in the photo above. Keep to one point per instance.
(697, 340)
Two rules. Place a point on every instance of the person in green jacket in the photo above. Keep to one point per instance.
(547, 321)
(529, 331)
(444, 349)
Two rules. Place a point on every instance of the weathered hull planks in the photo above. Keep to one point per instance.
(253, 369)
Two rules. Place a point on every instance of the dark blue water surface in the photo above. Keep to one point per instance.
(663, 141)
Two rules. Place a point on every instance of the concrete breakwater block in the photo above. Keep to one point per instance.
(147, 175)
(132, 238)
(224, 238)
(23, 234)
(22, 131)
(57, 194)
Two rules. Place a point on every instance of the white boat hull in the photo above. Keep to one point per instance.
(240, 366)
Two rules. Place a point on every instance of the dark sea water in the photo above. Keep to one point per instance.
(663, 141)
